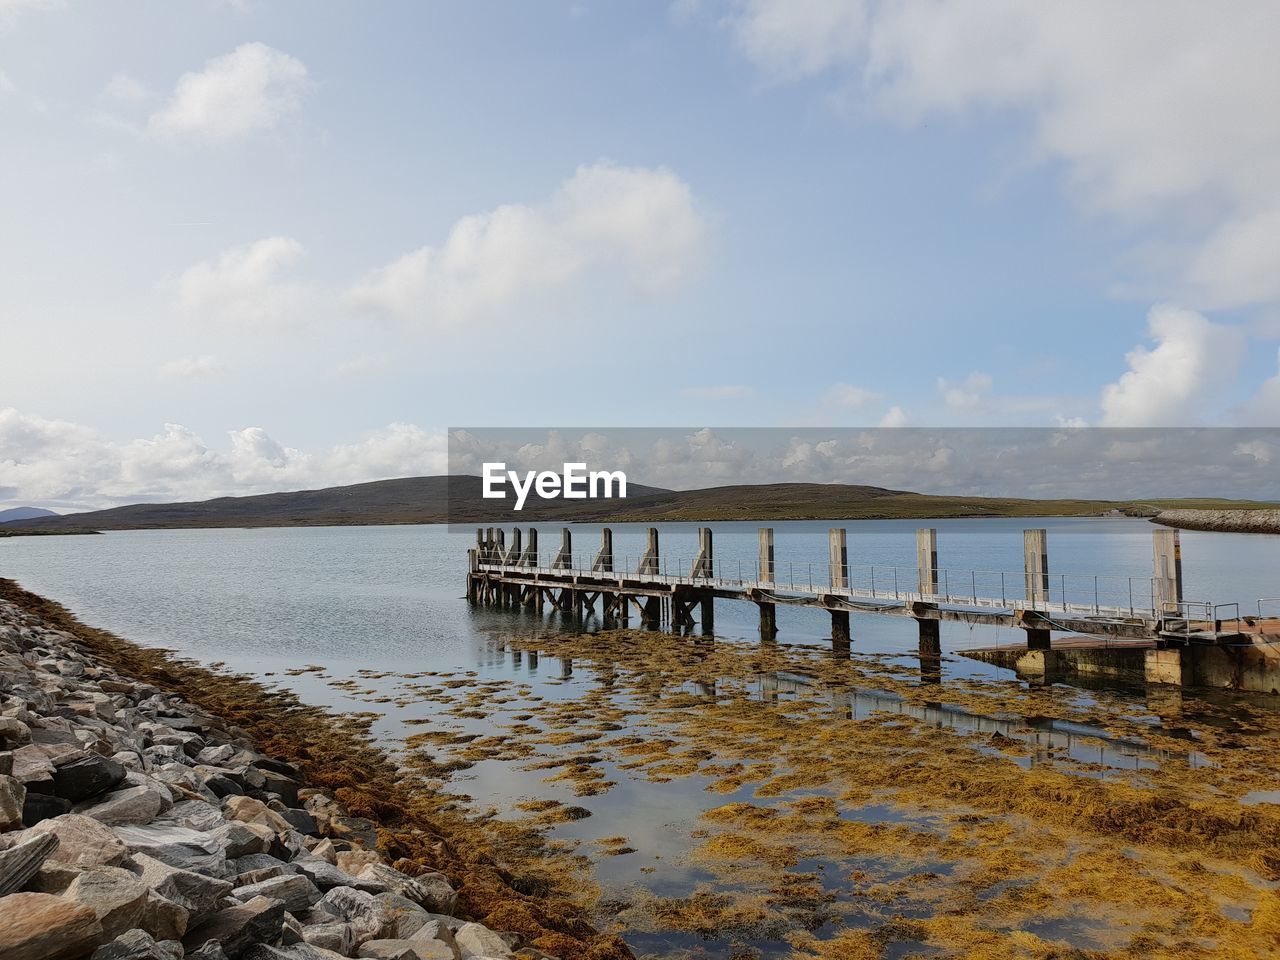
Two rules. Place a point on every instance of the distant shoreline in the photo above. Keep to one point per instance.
(1222, 521)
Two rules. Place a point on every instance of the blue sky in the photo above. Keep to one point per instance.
(256, 245)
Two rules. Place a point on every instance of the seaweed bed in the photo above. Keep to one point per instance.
(889, 834)
(500, 878)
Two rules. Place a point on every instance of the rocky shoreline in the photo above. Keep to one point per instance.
(1222, 521)
(135, 825)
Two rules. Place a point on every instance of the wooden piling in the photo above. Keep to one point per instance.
(840, 627)
(649, 560)
(1167, 559)
(764, 567)
(927, 561)
(1035, 564)
(838, 558)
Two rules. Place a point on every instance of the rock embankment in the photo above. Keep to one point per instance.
(134, 826)
(1222, 521)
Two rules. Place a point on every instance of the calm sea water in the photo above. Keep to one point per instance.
(392, 599)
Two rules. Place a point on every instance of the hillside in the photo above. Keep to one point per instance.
(427, 500)
(24, 513)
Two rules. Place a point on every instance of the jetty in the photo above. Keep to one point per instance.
(1145, 616)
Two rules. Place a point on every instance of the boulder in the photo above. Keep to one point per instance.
(41, 926)
(337, 936)
(196, 893)
(435, 940)
(195, 815)
(401, 917)
(296, 951)
(22, 857)
(353, 861)
(13, 732)
(236, 928)
(477, 940)
(207, 951)
(387, 950)
(13, 795)
(325, 875)
(132, 805)
(38, 807)
(249, 810)
(177, 846)
(354, 829)
(295, 890)
(300, 820)
(116, 897)
(431, 890)
(164, 919)
(138, 945)
(86, 777)
(83, 843)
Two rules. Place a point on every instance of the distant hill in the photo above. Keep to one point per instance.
(24, 513)
(458, 499)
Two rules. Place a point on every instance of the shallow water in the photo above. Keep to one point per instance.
(379, 607)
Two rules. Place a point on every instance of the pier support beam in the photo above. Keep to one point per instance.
(1035, 564)
(1167, 557)
(930, 638)
(764, 568)
(768, 620)
(649, 560)
(1037, 638)
(708, 613)
(927, 561)
(702, 563)
(838, 559)
(840, 627)
(564, 559)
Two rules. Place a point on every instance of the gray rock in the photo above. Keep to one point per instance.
(434, 939)
(216, 756)
(38, 806)
(242, 839)
(86, 777)
(138, 945)
(177, 846)
(115, 896)
(20, 860)
(326, 876)
(14, 732)
(402, 917)
(356, 906)
(13, 795)
(132, 805)
(477, 940)
(388, 950)
(238, 927)
(296, 951)
(207, 951)
(195, 892)
(164, 919)
(300, 820)
(195, 815)
(336, 935)
(431, 890)
(295, 890)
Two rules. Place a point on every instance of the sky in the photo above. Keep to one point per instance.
(253, 246)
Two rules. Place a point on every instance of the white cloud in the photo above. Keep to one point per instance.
(1264, 408)
(7, 86)
(728, 391)
(968, 394)
(1157, 108)
(68, 465)
(250, 89)
(192, 368)
(242, 285)
(1168, 384)
(852, 397)
(641, 221)
(895, 417)
(361, 366)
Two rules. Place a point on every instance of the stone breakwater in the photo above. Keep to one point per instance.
(135, 826)
(1222, 521)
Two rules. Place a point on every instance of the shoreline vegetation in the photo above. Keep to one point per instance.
(456, 499)
(494, 867)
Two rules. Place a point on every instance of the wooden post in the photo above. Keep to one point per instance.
(530, 556)
(702, 563)
(564, 559)
(1167, 557)
(480, 543)
(1035, 564)
(930, 638)
(838, 560)
(768, 620)
(649, 561)
(764, 570)
(927, 561)
(708, 612)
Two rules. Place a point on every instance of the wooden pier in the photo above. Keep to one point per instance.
(682, 592)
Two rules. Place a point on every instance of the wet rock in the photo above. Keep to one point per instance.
(235, 928)
(133, 805)
(40, 926)
(115, 896)
(23, 856)
(295, 890)
(476, 940)
(195, 892)
(138, 945)
(13, 795)
(86, 777)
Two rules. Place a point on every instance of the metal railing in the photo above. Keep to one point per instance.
(1096, 596)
